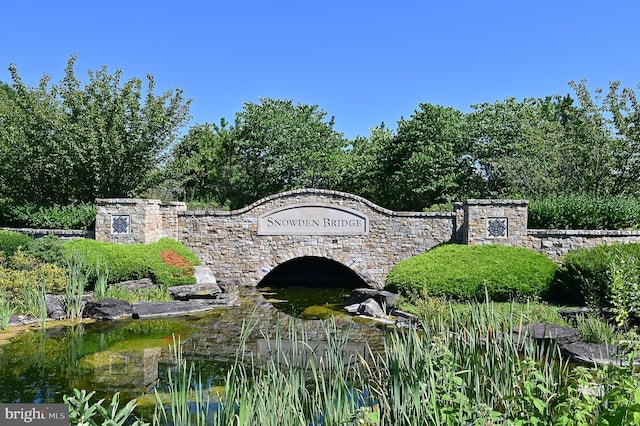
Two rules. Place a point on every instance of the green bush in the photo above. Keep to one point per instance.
(30, 215)
(10, 242)
(585, 275)
(463, 272)
(48, 249)
(135, 261)
(584, 212)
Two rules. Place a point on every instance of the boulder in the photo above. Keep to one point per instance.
(177, 307)
(133, 285)
(547, 333)
(384, 298)
(108, 309)
(55, 306)
(595, 354)
(371, 308)
(195, 291)
(204, 275)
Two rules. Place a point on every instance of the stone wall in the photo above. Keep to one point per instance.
(557, 243)
(244, 245)
(230, 243)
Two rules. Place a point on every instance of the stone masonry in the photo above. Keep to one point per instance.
(243, 246)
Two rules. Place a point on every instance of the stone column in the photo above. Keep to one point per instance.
(495, 222)
(128, 220)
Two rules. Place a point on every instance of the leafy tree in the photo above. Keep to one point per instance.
(279, 146)
(201, 165)
(62, 143)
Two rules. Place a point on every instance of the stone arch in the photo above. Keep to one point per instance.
(354, 263)
(314, 272)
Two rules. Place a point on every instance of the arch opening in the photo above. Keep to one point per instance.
(311, 271)
(310, 287)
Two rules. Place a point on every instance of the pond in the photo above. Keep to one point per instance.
(132, 356)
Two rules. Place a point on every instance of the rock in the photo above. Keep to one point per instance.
(596, 354)
(371, 308)
(55, 306)
(177, 307)
(195, 291)
(133, 285)
(204, 275)
(352, 309)
(405, 318)
(547, 333)
(108, 309)
(384, 298)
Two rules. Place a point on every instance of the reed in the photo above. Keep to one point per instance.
(6, 310)
(74, 289)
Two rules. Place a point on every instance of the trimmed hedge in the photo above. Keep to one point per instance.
(463, 272)
(10, 241)
(30, 215)
(585, 278)
(135, 261)
(585, 212)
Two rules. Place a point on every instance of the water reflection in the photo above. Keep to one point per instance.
(131, 357)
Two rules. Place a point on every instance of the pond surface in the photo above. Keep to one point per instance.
(132, 356)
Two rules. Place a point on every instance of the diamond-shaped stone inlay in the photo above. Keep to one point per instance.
(497, 227)
(120, 224)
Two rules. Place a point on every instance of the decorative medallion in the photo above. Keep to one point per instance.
(120, 224)
(497, 227)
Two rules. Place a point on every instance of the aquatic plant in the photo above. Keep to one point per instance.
(75, 287)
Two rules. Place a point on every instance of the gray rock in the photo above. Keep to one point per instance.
(596, 354)
(55, 306)
(352, 309)
(108, 309)
(195, 291)
(133, 285)
(177, 307)
(371, 308)
(547, 333)
(204, 275)
(384, 298)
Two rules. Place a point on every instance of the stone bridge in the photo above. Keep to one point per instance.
(332, 228)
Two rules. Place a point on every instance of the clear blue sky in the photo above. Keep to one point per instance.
(364, 62)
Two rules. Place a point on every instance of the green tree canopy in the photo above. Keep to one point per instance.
(68, 142)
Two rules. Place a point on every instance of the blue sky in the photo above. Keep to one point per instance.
(363, 62)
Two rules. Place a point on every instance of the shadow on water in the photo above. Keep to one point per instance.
(133, 356)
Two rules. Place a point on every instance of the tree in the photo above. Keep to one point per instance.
(279, 146)
(63, 143)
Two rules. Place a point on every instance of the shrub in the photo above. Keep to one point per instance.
(48, 249)
(135, 261)
(585, 275)
(585, 212)
(463, 272)
(30, 215)
(11, 241)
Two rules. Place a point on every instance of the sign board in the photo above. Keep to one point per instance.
(313, 219)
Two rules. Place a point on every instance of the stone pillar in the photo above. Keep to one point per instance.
(495, 222)
(127, 220)
(170, 212)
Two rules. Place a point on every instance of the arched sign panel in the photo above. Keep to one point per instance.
(313, 219)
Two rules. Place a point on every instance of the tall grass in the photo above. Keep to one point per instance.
(467, 369)
(75, 287)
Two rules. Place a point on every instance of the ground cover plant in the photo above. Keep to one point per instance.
(135, 261)
(471, 272)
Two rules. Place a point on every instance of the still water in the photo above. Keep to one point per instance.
(132, 356)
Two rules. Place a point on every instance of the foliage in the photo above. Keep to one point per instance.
(155, 294)
(11, 241)
(35, 215)
(595, 329)
(83, 412)
(425, 162)
(466, 272)
(27, 272)
(624, 292)
(74, 290)
(585, 275)
(570, 211)
(274, 145)
(135, 261)
(103, 139)
(47, 249)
